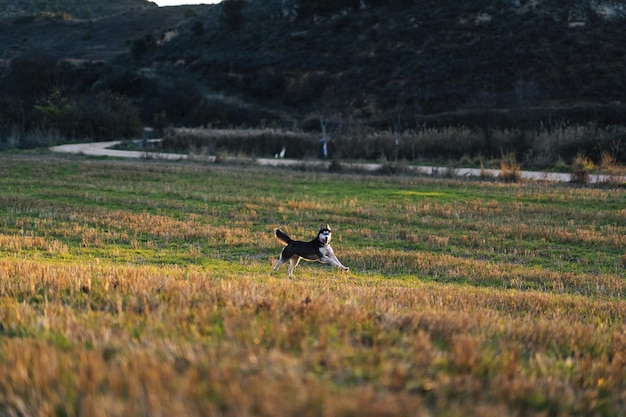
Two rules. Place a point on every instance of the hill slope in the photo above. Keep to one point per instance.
(194, 66)
(76, 9)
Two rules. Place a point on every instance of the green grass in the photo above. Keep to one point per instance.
(143, 287)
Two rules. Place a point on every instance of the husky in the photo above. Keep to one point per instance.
(317, 249)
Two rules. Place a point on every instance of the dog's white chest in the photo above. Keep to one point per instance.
(326, 250)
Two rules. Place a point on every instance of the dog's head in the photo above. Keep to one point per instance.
(325, 234)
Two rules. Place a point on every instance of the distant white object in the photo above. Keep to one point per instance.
(282, 153)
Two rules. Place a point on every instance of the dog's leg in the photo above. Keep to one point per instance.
(284, 257)
(293, 262)
(339, 264)
(332, 259)
(279, 263)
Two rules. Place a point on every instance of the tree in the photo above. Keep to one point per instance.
(197, 28)
(141, 46)
(103, 116)
(232, 14)
(33, 75)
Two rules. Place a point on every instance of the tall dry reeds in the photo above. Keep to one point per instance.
(541, 147)
(509, 169)
(257, 142)
(612, 172)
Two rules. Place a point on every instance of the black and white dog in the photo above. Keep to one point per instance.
(317, 249)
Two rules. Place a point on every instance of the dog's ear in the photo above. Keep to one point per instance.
(327, 227)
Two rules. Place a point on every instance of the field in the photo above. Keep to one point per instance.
(145, 289)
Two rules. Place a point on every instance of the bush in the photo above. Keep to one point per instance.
(509, 169)
(15, 117)
(232, 15)
(103, 116)
(140, 47)
(581, 165)
(32, 76)
(613, 174)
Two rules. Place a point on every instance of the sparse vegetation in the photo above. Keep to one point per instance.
(135, 288)
(544, 149)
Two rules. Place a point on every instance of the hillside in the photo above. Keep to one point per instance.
(263, 62)
(86, 9)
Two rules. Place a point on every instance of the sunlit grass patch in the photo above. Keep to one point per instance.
(148, 286)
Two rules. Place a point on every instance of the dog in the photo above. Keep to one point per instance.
(317, 249)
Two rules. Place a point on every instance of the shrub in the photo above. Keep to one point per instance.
(32, 76)
(197, 28)
(484, 174)
(15, 117)
(613, 174)
(102, 116)
(509, 169)
(581, 165)
(232, 15)
(265, 84)
(140, 47)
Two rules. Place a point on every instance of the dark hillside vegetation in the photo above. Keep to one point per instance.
(84, 9)
(486, 64)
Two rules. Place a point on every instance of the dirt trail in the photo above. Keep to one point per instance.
(102, 149)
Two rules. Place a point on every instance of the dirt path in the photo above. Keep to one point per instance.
(102, 149)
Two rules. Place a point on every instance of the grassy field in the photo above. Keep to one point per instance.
(145, 288)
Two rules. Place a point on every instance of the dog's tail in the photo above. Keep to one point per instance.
(282, 236)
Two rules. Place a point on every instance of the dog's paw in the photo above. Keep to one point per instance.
(345, 268)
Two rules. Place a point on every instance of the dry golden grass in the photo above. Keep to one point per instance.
(509, 169)
(147, 290)
(103, 340)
